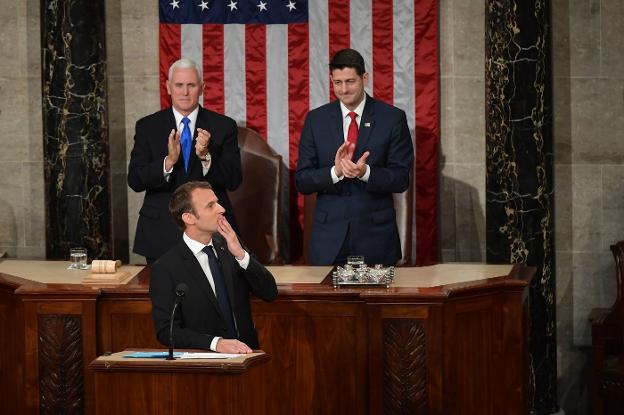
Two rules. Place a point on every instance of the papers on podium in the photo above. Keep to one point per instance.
(200, 355)
(182, 355)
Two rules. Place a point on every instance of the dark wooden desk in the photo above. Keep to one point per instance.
(149, 386)
(446, 349)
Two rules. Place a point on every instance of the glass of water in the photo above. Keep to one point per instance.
(78, 258)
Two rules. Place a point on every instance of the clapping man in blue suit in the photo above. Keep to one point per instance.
(354, 153)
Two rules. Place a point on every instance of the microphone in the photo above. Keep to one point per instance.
(180, 292)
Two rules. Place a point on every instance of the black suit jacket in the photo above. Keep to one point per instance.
(156, 232)
(361, 211)
(198, 319)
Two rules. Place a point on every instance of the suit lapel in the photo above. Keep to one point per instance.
(196, 273)
(336, 126)
(194, 162)
(366, 126)
(171, 121)
(180, 176)
(202, 121)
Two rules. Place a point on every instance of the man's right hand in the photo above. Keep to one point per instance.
(232, 346)
(346, 150)
(173, 147)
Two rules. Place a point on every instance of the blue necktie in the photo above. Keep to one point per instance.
(185, 142)
(221, 291)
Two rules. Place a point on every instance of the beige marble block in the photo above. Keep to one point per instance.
(448, 226)
(446, 38)
(447, 120)
(470, 212)
(468, 38)
(584, 37)
(11, 205)
(586, 208)
(34, 206)
(593, 286)
(563, 207)
(597, 110)
(611, 38)
(469, 104)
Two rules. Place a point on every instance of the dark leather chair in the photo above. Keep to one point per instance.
(404, 217)
(608, 347)
(258, 202)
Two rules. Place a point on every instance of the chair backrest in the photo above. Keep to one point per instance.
(403, 209)
(618, 254)
(404, 217)
(258, 200)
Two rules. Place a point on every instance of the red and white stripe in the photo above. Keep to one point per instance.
(267, 77)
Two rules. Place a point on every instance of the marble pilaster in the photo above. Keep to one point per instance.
(519, 170)
(75, 131)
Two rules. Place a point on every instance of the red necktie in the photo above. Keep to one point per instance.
(352, 134)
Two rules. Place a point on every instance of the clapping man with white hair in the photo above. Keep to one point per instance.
(183, 143)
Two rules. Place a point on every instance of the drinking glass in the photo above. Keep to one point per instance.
(78, 258)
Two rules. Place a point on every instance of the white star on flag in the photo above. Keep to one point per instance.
(175, 3)
(291, 6)
(232, 5)
(203, 5)
(261, 6)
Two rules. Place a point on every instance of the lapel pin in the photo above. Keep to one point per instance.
(366, 124)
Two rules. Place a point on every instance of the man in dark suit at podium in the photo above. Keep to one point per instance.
(176, 145)
(216, 312)
(354, 154)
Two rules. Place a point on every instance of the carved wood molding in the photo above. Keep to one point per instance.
(613, 385)
(405, 367)
(61, 369)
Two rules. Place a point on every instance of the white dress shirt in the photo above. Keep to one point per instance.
(192, 120)
(346, 121)
(196, 248)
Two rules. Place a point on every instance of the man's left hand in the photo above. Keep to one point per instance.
(354, 170)
(201, 144)
(233, 244)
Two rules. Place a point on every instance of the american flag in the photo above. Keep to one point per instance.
(265, 64)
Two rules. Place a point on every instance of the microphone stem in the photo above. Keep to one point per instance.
(175, 305)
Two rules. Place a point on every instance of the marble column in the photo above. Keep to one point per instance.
(519, 170)
(76, 150)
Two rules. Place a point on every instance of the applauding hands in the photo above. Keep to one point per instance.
(344, 165)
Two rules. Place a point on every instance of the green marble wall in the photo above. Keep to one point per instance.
(519, 170)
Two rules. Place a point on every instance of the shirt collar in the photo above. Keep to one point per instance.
(358, 110)
(195, 246)
(192, 116)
